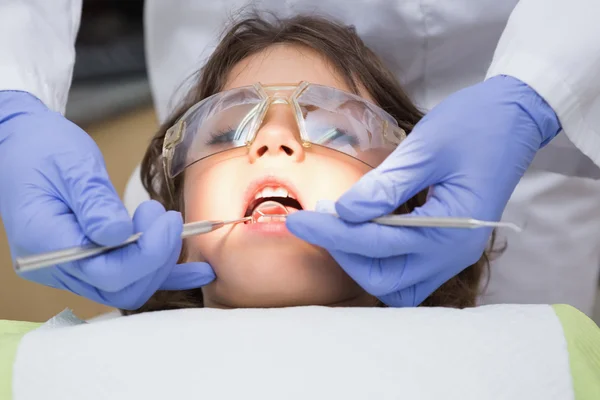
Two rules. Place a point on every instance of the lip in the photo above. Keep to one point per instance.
(271, 229)
(267, 181)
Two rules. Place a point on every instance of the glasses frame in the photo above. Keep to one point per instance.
(272, 94)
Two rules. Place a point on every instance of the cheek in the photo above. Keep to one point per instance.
(335, 176)
(375, 157)
(211, 193)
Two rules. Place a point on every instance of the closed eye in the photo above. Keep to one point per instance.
(336, 134)
(221, 137)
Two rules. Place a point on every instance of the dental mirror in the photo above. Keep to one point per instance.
(269, 211)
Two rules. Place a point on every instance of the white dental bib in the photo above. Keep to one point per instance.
(492, 352)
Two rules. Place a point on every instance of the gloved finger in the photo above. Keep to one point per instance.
(145, 215)
(189, 276)
(35, 231)
(120, 268)
(452, 200)
(69, 282)
(46, 275)
(445, 203)
(377, 276)
(138, 293)
(401, 298)
(367, 239)
(407, 171)
(93, 199)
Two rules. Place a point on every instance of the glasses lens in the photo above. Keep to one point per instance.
(334, 130)
(343, 122)
(223, 122)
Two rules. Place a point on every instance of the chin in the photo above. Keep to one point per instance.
(259, 282)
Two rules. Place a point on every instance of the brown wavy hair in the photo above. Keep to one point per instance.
(357, 65)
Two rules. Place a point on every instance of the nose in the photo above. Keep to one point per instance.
(278, 136)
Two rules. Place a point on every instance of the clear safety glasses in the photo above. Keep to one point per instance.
(325, 117)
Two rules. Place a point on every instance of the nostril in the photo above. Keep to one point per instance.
(261, 151)
(264, 149)
(287, 150)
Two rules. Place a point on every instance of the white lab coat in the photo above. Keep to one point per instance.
(435, 47)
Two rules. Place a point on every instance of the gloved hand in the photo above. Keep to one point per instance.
(55, 193)
(472, 150)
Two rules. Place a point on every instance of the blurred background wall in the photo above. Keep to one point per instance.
(110, 99)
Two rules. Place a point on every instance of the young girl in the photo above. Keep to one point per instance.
(284, 112)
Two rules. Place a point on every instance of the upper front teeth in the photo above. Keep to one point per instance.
(273, 192)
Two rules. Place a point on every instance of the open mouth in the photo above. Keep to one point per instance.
(271, 202)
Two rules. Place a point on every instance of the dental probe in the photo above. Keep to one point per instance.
(49, 259)
(442, 222)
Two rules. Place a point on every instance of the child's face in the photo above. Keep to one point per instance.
(264, 265)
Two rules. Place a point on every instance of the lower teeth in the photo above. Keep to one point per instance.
(275, 218)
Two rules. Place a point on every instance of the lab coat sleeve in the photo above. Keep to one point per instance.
(37, 48)
(554, 47)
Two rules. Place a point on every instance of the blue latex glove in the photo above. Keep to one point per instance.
(55, 193)
(472, 149)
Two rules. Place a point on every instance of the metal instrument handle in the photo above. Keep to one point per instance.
(49, 259)
(442, 222)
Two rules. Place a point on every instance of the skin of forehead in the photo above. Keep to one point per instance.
(288, 64)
